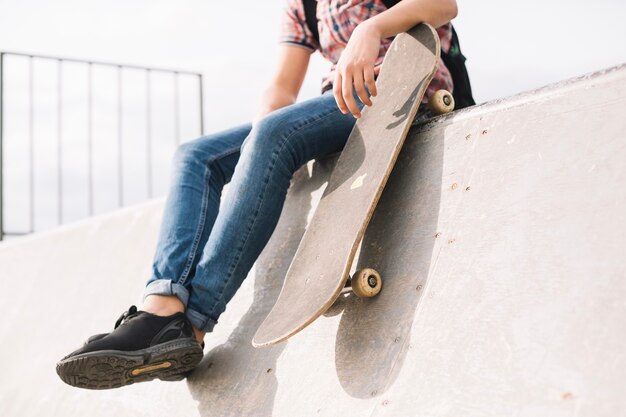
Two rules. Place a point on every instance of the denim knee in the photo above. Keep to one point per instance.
(188, 153)
(194, 157)
(270, 138)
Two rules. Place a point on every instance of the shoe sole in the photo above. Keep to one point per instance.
(106, 369)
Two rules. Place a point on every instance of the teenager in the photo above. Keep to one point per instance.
(203, 252)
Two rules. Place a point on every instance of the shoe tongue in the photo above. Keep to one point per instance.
(127, 315)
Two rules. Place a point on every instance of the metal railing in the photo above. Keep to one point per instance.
(120, 70)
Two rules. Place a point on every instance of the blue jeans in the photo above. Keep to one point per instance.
(203, 252)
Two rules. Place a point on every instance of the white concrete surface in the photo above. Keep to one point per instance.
(501, 237)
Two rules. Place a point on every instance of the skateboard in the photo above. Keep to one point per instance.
(320, 270)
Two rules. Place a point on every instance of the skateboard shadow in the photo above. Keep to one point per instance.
(236, 370)
(404, 112)
(357, 156)
(357, 147)
(374, 335)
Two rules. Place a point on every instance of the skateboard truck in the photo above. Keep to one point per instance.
(364, 283)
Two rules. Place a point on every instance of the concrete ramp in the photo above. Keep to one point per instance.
(501, 237)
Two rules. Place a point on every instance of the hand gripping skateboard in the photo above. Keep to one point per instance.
(321, 267)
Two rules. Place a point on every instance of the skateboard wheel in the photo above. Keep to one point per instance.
(441, 102)
(366, 283)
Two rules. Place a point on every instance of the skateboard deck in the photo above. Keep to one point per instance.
(321, 265)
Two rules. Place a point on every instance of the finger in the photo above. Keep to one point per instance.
(370, 82)
(359, 87)
(337, 93)
(347, 94)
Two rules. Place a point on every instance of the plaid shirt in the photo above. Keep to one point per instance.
(336, 21)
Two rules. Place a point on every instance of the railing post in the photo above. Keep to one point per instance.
(120, 131)
(176, 110)
(201, 105)
(149, 132)
(31, 146)
(6, 102)
(90, 138)
(59, 141)
(1, 144)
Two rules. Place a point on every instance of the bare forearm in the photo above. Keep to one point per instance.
(355, 69)
(408, 13)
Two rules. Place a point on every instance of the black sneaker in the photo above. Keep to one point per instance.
(142, 347)
(182, 375)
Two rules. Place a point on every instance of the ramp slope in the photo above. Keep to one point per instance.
(501, 238)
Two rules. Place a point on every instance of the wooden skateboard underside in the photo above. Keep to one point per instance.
(322, 263)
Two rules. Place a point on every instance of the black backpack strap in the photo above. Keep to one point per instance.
(310, 14)
(390, 3)
(455, 62)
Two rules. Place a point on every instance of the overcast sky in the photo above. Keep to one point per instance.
(511, 46)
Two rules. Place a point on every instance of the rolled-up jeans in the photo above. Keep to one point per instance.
(205, 250)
